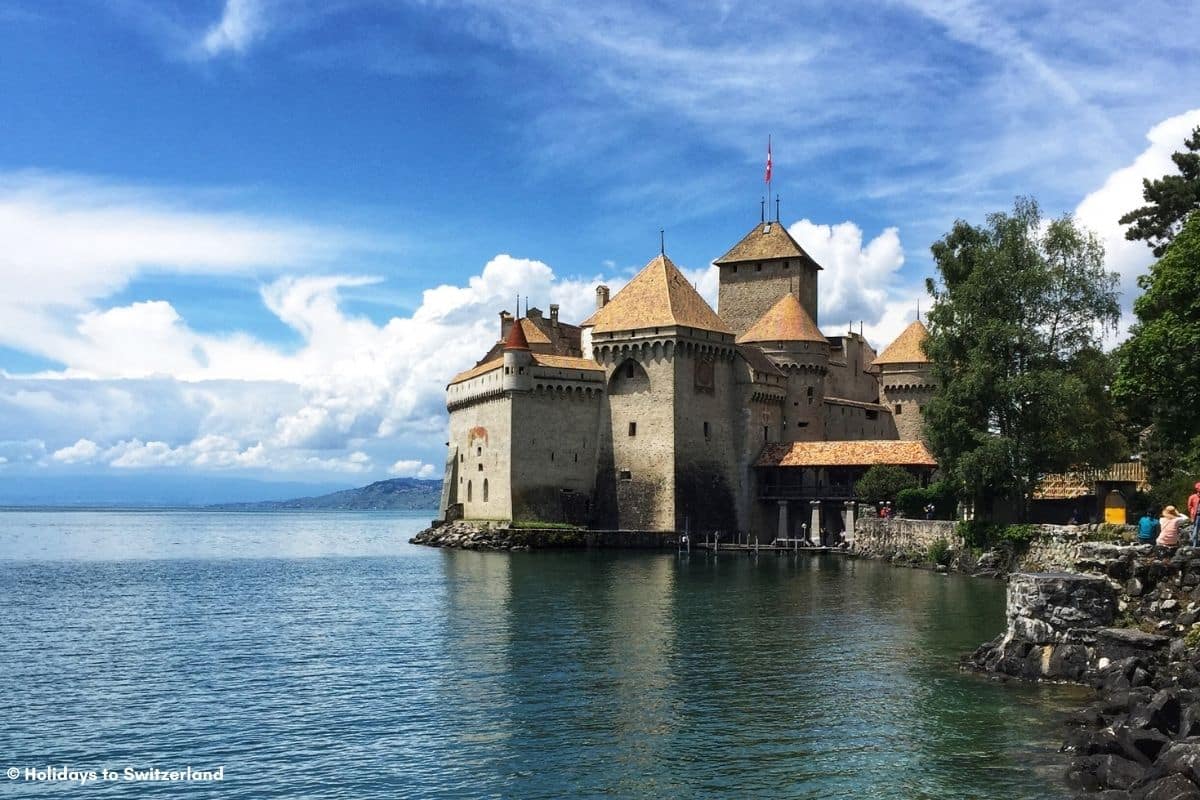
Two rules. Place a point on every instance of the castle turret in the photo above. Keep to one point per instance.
(763, 267)
(905, 380)
(518, 360)
(790, 338)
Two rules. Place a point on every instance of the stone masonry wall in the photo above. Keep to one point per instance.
(884, 538)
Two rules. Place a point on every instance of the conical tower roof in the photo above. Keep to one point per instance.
(765, 241)
(516, 336)
(907, 348)
(786, 321)
(658, 296)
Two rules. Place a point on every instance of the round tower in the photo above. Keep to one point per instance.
(906, 381)
(518, 360)
(789, 337)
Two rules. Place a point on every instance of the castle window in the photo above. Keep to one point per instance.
(633, 429)
(810, 391)
(461, 458)
(480, 467)
(577, 458)
(872, 415)
(801, 424)
(626, 475)
(551, 456)
(468, 491)
(707, 432)
(520, 370)
(787, 264)
(735, 269)
(478, 451)
(899, 409)
(507, 370)
(758, 267)
(629, 370)
(766, 430)
(485, 490)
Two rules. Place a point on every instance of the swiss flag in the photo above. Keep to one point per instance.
(767, 178)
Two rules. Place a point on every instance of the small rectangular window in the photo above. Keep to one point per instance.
(766, 428)
(899, 408)
(629, 370)
(633, 429)
(480, 467)
(626, 475)
(801, 424)
(707, 431)
(872, 415)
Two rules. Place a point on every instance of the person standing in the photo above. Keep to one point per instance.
(1194, 513)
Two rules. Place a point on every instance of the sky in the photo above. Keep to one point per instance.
(255, 238)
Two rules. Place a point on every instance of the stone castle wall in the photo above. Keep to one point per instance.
(555, 449)
(706, 439)
(747, 291)
(906, 391)
(482, 434)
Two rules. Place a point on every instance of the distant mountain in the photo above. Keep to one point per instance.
(396, 494)
(86, 490)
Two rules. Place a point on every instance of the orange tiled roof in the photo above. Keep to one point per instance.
(906, 349)
(845, 454)
(477, 370)
(765, 241)
(516, 339)
(658, 296)
(1078, 483)
(565, 362)
(786, 321)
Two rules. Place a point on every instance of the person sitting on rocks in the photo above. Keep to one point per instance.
(1148, 527)
(1168, 526)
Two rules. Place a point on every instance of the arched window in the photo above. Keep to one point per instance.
(485, 490)
(469, 490)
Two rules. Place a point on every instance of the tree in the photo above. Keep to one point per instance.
(1158, 366)
(883, 482)
(1014, 341)
(1171, 199)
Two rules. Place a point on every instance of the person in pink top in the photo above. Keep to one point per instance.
(1169, 527)
(1193, 506)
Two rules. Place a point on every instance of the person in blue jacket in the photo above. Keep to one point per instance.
(1148, 527)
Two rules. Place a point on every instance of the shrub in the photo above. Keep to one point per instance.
(939, 552)
(912, 502)
(883, 482)
(1192, 639)
(981, 535)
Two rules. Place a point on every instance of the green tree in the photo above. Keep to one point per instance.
(1014, 340)
(883, 482)
(1170, 200)
(1158, 366)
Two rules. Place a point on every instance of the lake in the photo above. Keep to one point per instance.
(319, 655)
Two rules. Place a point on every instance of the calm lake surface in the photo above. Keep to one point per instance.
(320, 655)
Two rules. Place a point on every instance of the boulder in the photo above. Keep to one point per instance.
(1172, 787)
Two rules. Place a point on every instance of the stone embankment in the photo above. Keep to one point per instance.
(464, 535)
(1126, 622)
(920, 543)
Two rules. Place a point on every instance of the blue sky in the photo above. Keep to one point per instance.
(255, 237)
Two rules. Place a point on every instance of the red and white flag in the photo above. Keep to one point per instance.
(767, 178)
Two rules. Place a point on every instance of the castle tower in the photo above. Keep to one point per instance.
(905, 380)
(518, 360)
(760, 269)
(790, 338)
(669, 458)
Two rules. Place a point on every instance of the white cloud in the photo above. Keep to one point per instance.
(412, 468)
(1122, 192)
(241, 23)
(83, 451)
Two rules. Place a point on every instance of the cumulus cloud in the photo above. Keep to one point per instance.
(83, 451)
(412, 468)
(860, 283)
(1122, 192)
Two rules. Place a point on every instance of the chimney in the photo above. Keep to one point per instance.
(601, 296)
(505, 323)
(554, 314)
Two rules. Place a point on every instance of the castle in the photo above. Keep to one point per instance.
(658, 413)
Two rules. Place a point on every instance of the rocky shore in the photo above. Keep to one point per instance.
(1125, 622)
(503, 536)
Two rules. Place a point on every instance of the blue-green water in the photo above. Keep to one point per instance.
(320, 655)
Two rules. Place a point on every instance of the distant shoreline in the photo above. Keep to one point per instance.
(221, 509)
